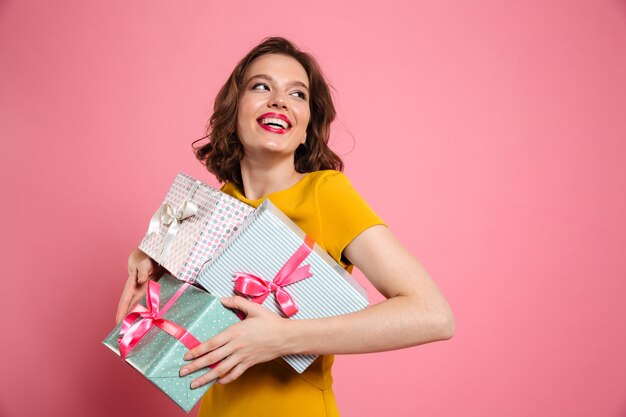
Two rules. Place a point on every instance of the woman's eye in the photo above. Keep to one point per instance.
(299, 94)
(260, 86)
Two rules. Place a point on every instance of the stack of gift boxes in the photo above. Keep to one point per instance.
(205, 238)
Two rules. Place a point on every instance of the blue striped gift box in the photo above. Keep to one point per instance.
(262, 245)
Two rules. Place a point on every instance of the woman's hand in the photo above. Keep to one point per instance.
(140, 269)
(261, 337)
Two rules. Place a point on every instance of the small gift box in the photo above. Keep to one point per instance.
(155, 336)
(273, 262)
(193, 221)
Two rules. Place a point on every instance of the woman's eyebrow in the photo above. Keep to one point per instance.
(269, 78)
(299, 84)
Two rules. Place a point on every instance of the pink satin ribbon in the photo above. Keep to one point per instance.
(258, 288)
(137, 323)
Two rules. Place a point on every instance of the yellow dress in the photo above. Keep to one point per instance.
(325, 205)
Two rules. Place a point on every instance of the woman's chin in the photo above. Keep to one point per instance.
(270, 151)
(278, 148)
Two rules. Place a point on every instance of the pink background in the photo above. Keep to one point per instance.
(489, 134)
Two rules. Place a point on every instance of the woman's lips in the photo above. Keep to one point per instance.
(274, 122)
(274, 129)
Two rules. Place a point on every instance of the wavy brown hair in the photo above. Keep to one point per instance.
(224, 151)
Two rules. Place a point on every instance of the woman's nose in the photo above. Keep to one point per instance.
(277, 100)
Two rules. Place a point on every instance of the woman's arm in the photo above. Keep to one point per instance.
(414, 313)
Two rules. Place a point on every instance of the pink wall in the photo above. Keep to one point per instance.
(489, 134)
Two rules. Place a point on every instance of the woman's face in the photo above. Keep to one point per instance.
(274, 109)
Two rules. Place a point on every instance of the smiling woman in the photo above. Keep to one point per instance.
(273, 112)
(222, 155)
(268, 139)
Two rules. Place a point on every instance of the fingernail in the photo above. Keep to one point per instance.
(184, 372)
(194, 385)
(187, 356)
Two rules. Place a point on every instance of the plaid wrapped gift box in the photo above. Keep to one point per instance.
(190, 225)
(156, 335)
(271, 260)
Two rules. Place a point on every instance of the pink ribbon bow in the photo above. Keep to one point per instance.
(133, 330)
(258, 288)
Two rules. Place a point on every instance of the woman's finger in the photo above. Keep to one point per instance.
(126, 299)
(219, 371)
(211, 359)
(247, 307)
(144, 271)
(131, 295)
(234, 373)
(137, 296)
(211, 344)
(122, 307)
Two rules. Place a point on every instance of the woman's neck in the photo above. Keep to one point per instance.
(261, 178)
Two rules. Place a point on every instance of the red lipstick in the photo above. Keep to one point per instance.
(274, 122)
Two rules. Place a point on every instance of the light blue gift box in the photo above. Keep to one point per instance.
(159, 356)
(261, 246)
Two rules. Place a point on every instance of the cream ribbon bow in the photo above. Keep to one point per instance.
(166, 215)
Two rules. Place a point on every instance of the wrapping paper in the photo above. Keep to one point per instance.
(266, 241)
(190, 225)
(159, 356)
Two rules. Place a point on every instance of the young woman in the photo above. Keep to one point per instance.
(268, 139)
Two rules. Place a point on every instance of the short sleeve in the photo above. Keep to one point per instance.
(344, 214)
